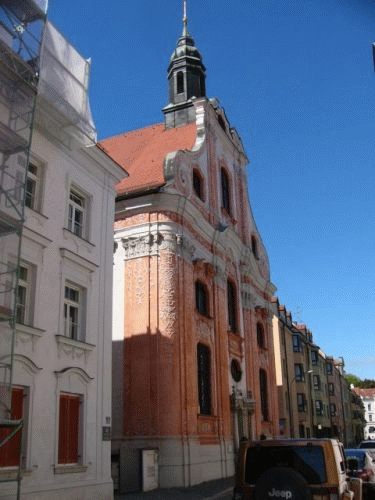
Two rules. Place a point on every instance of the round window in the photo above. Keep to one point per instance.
(235, 370)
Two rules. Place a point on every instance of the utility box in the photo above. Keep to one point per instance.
(138, 469)
(150, 470)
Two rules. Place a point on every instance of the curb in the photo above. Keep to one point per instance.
(219, 495)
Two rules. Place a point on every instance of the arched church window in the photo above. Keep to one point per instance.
(204, 379)
(198, 184)
(221, 123)
(180, 82)
(254, 246)
(260, 336)
(232, 306)
(235, 369)
(263, 394)
(225, 195)
(201, 298)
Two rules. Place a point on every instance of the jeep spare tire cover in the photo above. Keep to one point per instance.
(281, 483)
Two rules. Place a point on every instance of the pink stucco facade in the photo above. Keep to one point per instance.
(173, 239)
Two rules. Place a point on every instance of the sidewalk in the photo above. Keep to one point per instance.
(210, 490)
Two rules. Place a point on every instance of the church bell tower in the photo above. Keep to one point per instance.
(186, 77)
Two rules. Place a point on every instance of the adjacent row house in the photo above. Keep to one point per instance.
(367, 397)
(314, 398)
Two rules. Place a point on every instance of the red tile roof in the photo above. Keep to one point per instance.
(141, 153)
(365, 393)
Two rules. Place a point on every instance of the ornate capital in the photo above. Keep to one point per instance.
(140, 246)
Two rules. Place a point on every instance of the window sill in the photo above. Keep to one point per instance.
(10, 473)
(228, 216)
(35, 213)
(69, 468)
(74, 348)
(26, 333)
(204, 317)
(70, 235)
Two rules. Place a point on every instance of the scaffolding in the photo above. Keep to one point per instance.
(21, 31)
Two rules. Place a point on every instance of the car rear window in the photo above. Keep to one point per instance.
(367, 445)
(355, 462)
(307, 460)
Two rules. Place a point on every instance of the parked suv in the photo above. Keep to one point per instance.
(294, 469)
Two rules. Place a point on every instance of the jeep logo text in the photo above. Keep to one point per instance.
(287, 494)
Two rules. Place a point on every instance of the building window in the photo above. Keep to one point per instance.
(297, 344)
(329, 368)
(74, 312)
(221, 123)
(10, 452)
(198, 184)
(225, 194)
(33, 186)
(24, 296)
(369, 407)
(232, 306)
(69, 429)
(331, 388)
(332, 409)
(299, 372)
(235, 369)
(204, 379)
(314, 358)
(201, 298)
(180, 82)
(316, 382)
(254, 247)
(260, 336)
(301, 402)
(319, 407)
(263, 394)
(77, 213)
(370, 417)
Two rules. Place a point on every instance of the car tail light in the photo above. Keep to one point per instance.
(325, 494)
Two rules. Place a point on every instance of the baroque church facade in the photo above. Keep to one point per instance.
(193, 369)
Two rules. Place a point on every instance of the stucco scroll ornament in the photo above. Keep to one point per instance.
(186, 246)
(170, 165)
(204, 331)
(183, 182)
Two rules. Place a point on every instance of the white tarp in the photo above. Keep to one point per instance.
(66, 73)
(42, 4)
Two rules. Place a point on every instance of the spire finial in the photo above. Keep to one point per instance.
(185, 21)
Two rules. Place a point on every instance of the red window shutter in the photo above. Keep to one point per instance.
(10, 452)
(68, 429)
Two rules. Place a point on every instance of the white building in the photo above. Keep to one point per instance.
(368, 399)
(62, 354)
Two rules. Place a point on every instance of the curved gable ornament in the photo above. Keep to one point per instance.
(27, 364)
(175, 159)
(73, 370)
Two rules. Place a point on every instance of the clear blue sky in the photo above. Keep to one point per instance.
(296, 79)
